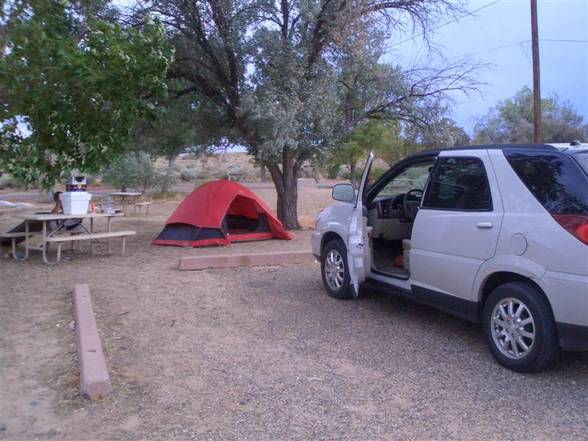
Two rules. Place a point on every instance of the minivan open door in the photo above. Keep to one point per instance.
(358, 243)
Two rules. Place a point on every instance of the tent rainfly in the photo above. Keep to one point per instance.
(218, 213)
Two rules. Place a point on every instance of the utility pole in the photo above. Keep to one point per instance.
(537, 132)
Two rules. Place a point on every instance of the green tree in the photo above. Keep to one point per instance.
(73, 85)
(167, 135)
(290, 78)
(443, 133)
(511, 121)
(179, 124)
(381, 137)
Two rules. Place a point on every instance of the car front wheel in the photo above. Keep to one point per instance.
(335, 271)
(519, 327)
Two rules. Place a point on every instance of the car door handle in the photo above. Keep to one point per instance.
(484, 225)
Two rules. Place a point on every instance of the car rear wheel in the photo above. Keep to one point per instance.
(519, 327)
(335, 271)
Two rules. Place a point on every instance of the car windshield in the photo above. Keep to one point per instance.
(412, 178)
(582, 158)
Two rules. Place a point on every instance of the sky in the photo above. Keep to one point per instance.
(498, 34)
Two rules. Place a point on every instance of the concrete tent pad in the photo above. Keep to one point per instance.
(238, 260)
(94, 378)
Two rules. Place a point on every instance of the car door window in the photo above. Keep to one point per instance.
(459, 184)
(411, 178)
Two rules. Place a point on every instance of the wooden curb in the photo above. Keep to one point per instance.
(94, 379)
(236, 260)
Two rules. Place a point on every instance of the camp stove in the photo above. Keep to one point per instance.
(76, 183)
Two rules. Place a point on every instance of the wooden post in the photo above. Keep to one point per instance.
(262, 173)
(537, 131)
(109, 240)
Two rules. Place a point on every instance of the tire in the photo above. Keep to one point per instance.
(517, 315)
(333, 256)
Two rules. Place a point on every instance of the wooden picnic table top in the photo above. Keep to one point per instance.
(59, 216)
(125, 193)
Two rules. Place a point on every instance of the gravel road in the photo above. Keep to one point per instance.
(265, 354)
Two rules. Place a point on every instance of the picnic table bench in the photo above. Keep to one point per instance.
(13, 238)
(89, 236)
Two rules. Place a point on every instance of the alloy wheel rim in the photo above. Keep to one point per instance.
(334, 270)
(513, 328)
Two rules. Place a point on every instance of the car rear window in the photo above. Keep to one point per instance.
(582, 158)
(555, 179)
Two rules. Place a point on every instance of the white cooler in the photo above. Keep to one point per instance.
(75, 202)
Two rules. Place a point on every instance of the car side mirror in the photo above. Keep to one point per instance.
(343, 192)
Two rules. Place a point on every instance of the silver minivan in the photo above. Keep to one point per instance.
(496, 235)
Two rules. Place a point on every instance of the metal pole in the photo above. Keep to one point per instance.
(537, 132)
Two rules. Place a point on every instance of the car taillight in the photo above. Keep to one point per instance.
(576, 224)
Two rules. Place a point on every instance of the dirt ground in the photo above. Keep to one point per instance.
(256, 354)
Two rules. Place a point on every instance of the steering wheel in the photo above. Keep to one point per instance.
(411, 207)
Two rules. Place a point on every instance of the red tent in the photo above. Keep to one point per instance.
(219, 213)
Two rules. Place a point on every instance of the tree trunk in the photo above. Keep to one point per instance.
(352, 170)
(286, 183)
(166, 186)
(45, 196)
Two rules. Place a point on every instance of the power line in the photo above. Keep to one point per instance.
(563, 40)
(434, 28)
(495, 48)
(517, 43)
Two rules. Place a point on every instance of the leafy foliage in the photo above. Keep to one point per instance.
(381, 137)
(134, 170)
(73, 86)
(290, 79)
(511, 121)
(442, 133)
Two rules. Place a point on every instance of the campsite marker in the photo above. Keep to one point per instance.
(94, 379)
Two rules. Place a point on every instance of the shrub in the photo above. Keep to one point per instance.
(189, 174)
(7, 181)
(375, 173)
(333, 171)
(133, 171)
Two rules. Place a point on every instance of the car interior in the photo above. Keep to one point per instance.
(391, 213)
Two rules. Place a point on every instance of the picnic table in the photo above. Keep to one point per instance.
(56, 235)
(125, 198)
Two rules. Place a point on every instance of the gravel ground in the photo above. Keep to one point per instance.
(256, 354)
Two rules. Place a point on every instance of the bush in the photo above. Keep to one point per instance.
(333, 171)
(376, 172)
(189, 174)
(133, 171)
(7, 181)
